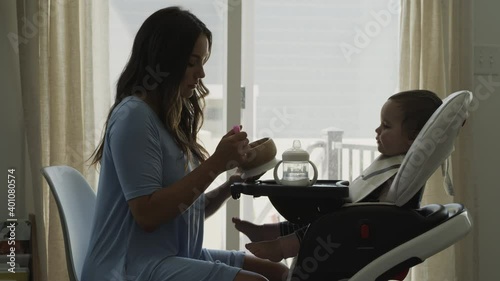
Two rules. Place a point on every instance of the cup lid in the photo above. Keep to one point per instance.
(296, 153)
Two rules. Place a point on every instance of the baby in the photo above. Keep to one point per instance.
(402, 117)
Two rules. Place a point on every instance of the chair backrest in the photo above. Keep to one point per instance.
(76, 202)
(431, 148)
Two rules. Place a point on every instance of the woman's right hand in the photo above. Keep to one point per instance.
(231, 150)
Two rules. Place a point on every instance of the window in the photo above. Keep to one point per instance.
(307, 65)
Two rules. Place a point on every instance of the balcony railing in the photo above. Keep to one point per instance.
(339, 158)
(358, 157)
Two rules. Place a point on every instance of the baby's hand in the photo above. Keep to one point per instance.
(270, 250)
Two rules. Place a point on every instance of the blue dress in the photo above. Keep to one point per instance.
(140, 157)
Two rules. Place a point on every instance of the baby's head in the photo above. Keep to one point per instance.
(401, 119)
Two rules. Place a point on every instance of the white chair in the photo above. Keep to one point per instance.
(76, 202)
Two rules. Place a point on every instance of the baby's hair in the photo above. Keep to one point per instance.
(417, 107)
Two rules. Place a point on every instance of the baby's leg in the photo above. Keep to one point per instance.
(256, 232)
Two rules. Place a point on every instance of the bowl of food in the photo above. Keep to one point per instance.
(259, 159)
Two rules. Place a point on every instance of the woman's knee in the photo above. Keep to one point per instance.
(273, 271)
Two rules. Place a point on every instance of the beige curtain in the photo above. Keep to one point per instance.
(435, 55)
(65, 93)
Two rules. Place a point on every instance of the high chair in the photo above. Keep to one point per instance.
(357, 241)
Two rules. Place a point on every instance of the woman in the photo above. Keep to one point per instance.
(151, 205)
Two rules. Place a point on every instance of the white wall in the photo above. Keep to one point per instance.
(11, 122)
(485, 123)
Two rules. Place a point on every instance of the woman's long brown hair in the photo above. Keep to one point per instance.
(159, 58)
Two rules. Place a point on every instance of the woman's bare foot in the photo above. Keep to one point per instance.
(256, 232)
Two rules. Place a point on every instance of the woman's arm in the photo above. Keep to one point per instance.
(215, 198)
(161, 206)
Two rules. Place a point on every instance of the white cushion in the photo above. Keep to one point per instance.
(431, 148)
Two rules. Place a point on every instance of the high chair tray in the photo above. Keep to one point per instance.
(298, 204)
(321, 189)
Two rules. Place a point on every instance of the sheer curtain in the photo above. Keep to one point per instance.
(65, 96)
(435, 54)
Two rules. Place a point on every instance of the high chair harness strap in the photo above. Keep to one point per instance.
(381, 170)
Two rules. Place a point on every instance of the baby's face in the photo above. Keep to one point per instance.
(391, 138)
